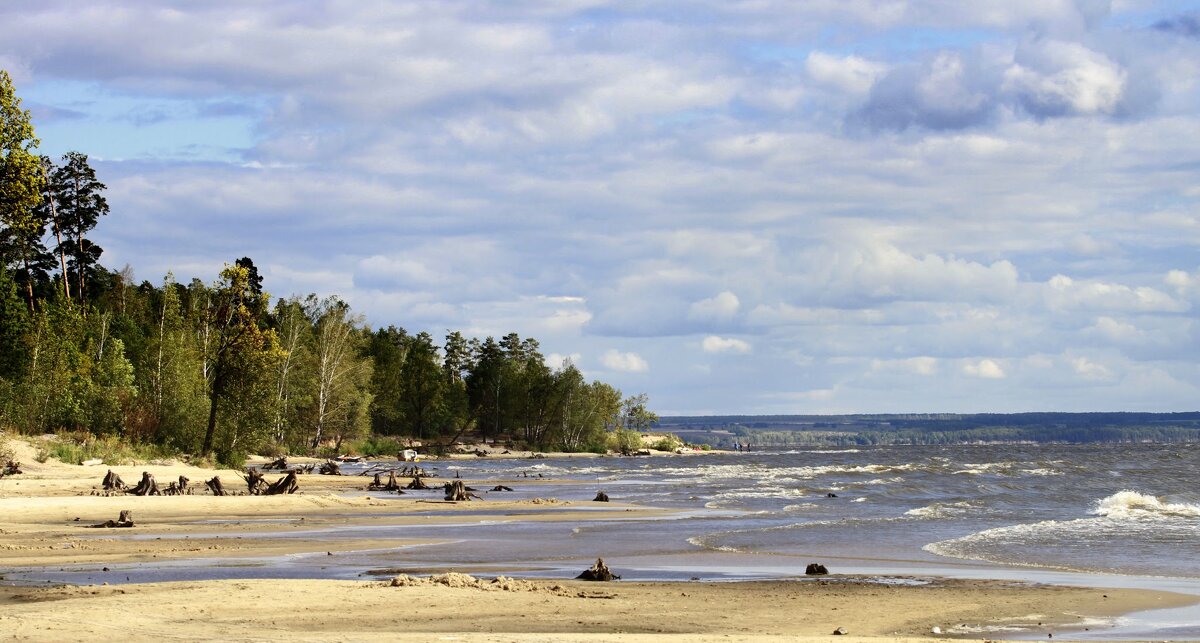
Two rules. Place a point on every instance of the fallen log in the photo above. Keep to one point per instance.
(147, 486)
(501, 487)
(113, 482)
(124, 520)
(280, 464)
(598, 572)
(216, 487)
(457, 491)
(600, 497)
(330, 468)
(282, 486)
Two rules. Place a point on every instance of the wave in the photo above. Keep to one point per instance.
(940, 510)
(1131, 504)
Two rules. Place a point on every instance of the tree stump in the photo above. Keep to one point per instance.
(330, 468)
(177, 488)
(124, 520)
(600, 497)
(379, 485)
(255, 482)
(416, 483)
(598, 572)
(282, 486)
(147, 486)
(458, 491)
(113, 482)
(215, 487)
(815, 569)
(280, 464)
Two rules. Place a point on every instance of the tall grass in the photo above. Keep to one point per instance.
(76, 448)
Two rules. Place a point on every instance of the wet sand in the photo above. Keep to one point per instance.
(44, 512)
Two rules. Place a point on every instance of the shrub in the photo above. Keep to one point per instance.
(625, 441)
(79, 446)
(376, 445)
(667, 443)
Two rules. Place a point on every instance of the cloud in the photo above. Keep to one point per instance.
(615, 360)
(1187, 24)
(722, 306)
(1059, 78)
(849, 74)
(715, 344)
(985, 369)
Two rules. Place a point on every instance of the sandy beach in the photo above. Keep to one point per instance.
(47, 508)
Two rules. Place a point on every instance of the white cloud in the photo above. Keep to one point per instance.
(984, 368)
(715, 344)
(627, 362)
(851, 74)
(558, 360)
(1090, 370)
(1061, 77)
(721, 307)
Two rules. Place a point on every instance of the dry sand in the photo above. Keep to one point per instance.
(40, 528)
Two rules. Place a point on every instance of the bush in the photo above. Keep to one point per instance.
(625, 441)
(667, 443)
(79, 446)
(376, 445)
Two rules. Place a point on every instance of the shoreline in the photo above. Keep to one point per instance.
(46, 509)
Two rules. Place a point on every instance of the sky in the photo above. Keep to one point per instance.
(735, 206)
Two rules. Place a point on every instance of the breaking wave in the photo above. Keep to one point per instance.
(1131, 504)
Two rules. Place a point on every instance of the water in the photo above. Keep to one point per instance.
(1011, 511)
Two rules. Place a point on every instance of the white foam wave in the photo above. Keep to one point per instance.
(940, 510)
(1131, 504)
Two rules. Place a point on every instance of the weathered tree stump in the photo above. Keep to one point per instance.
(379, 485)
(279, 464)
(598, 572)
(147, 486)
(458, 491)
(216, 487)
(600, 497)
(417, 483)
(113, 482)
(178, 488)
(255, 482)
(330, 468)
(501, 487)
(815, 569)
(124, 520)
(282, 486)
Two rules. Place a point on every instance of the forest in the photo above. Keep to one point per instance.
(221, 369)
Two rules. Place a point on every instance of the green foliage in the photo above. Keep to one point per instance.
(80, 446)
(669, 442)
(625, 441)
(377, 445)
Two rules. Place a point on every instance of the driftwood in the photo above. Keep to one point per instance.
(480, 453)
(417, 483)
(501, 487)
(178, 488)
(600, 497)
(284, 485)
(125, 520)
(216, 487)
(598, 572)
(147, 486)
(113, 482)
(280, 464)
(330, 468)
(457, 491)
(391, 485)
(254, 482)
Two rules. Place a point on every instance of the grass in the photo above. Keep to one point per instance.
(76, 448)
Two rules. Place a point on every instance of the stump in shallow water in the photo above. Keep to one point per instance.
(501, 487)
(255, 482)
(457, 491)
(280, 464)
(124, 520)
(598, 572)
(147, 486)
(216, 487)
(417, 483)
(391, 485)
(113, 482)
(815, 569)
(600, 497)
(330, 468)
(282, 486)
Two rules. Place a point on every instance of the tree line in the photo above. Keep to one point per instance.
(224, 369)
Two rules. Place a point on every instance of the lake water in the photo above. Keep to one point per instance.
(1110, 515)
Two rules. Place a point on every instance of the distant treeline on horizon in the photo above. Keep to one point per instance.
(936, 428)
